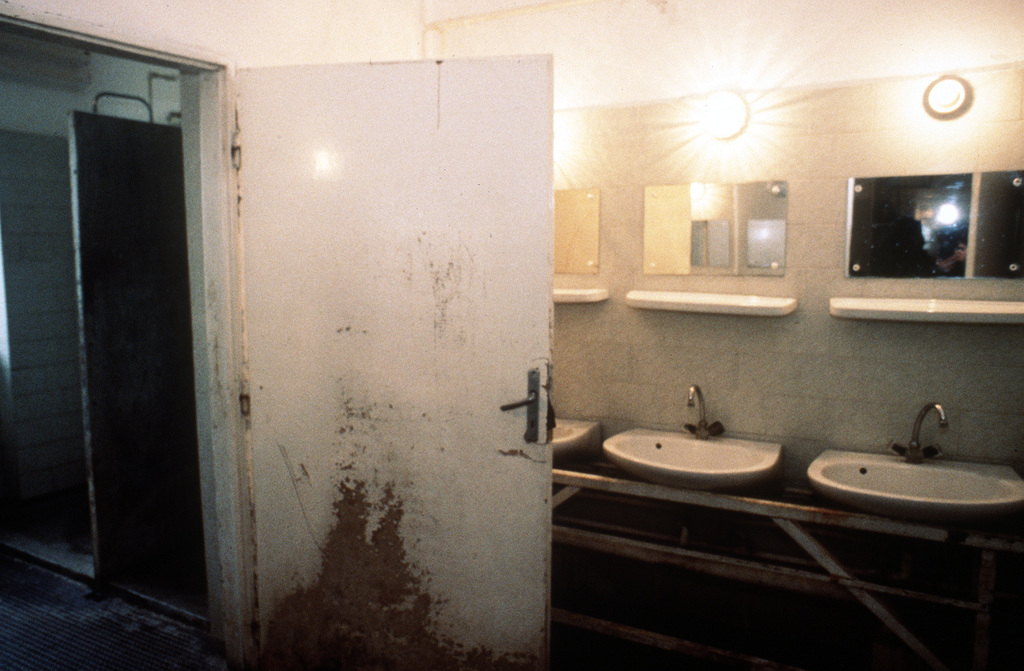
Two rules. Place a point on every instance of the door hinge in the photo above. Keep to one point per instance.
(236, 145)
(244, 400)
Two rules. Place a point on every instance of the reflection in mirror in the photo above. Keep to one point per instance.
(577, 225)
(715, 229)
(999, 240)
(762, 207)
(958, 225)
(766, 243)
(710, 244)
(712, 208)
(667, 230)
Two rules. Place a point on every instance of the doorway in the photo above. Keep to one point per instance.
(91, 512)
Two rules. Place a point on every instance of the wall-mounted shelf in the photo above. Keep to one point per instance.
(928, 310)
(728, 304)
(580, 295)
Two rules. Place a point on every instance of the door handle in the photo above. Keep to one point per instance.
(518, 404)
(532, 405)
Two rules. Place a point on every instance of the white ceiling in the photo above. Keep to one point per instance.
(606, 52)
(622, 51)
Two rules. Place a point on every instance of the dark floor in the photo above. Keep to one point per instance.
(52, 623)
(54, 530)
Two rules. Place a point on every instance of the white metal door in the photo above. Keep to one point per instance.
(397, 227)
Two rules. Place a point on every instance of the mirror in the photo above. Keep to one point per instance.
(577, 222)
(766, 244)
(999, 239)
(957, 225)
(715, 229)
(712, 213)
(667, 232)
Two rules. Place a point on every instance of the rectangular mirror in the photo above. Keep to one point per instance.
(956, 225)
(998, 239)
(761, 209)
(577, 226)
(715, 229)
(713, 209)
(667, 230)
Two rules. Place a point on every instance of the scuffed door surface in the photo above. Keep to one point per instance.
(397, 225)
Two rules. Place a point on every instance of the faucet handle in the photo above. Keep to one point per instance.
(691, 428)
(931, 451)
(716, 429)
(897, 449)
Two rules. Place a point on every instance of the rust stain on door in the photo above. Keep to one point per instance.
(369, 608)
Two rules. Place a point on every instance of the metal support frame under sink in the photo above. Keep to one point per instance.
(793, 520)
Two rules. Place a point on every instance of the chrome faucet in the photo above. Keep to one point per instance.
(702, 430)
(913, 452)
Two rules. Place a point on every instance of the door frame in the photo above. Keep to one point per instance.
(217, 292)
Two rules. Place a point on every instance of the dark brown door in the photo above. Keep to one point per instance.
(135, 317)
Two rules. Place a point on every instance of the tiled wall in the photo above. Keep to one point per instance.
(809, 380)
(40, 396)
(42, 413)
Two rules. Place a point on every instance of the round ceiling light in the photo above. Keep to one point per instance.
(948, 97)
(725, 114)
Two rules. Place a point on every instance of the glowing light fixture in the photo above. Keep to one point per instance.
(948, 97)
(947, 214)
(725, 114)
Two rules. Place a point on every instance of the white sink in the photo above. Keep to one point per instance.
(575, 440)
(680, 460)
(934, 490)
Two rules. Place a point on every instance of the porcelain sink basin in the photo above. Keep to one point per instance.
(680, 460)
(575, 440)
(935, 490)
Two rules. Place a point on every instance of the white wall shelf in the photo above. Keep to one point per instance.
(933, 310)
(728, 304)
(580, 295)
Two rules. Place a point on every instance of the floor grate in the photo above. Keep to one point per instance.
(52, 623)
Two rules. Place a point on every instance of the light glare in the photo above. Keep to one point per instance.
(946, 96)
(947, 214)
(725, 114)
(326, 165)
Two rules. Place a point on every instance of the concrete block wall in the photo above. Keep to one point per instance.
(42, 411)
(809, 380)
